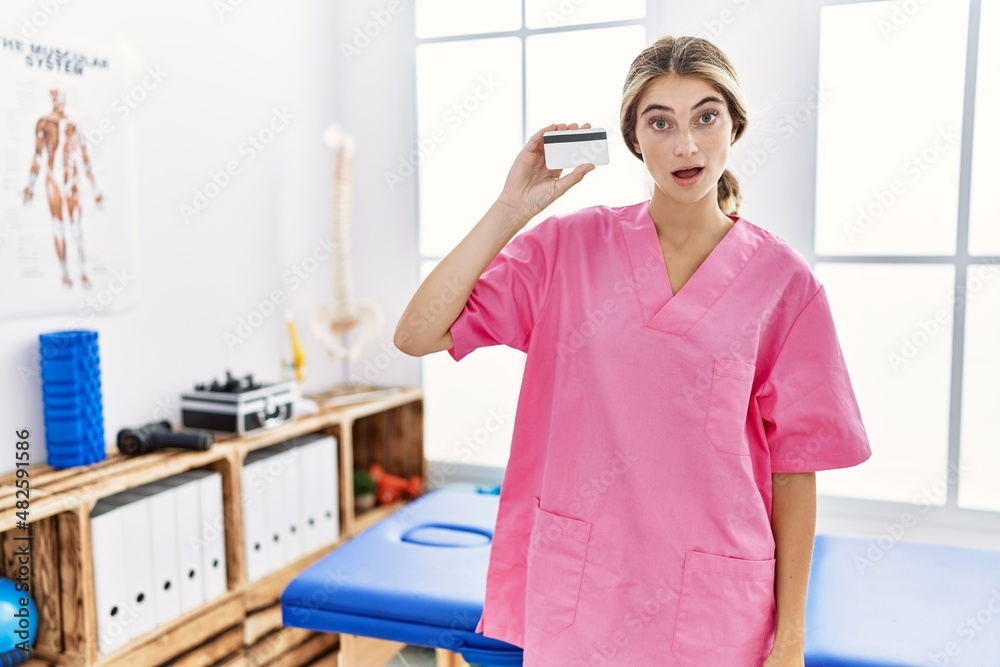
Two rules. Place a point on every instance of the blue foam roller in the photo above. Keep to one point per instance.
(68, 354)
(63, 407)
(60, 340)
(70, 401)
(63, 417)
(71, 393)
(57, 430)
(80, 373)
(90, 388)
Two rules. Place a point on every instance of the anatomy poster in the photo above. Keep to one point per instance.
(67, 181)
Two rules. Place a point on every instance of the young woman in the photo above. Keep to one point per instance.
(683, 383)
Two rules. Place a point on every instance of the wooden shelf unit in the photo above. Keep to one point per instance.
(243, 626)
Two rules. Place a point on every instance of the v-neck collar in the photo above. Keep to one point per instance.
(661, 308)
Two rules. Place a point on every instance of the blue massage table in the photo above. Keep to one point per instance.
(902, 604)
(419, 577)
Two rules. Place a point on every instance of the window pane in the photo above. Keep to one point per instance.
(439, 18)
(470, 405)
(979, 462)
(552, 13)
(984, 233)
(588, 91)
(889, 132)
(894, 325)
(469, 131)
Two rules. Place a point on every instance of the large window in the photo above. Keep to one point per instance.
(488, 76)
(907, 244)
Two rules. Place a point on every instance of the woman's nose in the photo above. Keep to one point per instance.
(685, 144)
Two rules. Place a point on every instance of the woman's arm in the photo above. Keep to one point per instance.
(793, 520)
(425, 326)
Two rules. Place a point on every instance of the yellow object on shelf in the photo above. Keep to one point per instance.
(298, 354)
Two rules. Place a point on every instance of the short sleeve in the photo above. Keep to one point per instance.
(508, 297)
(811, 416)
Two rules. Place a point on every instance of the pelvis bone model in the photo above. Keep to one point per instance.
(345, 327)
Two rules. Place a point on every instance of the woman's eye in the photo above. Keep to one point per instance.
(660, 124)
(711, 115)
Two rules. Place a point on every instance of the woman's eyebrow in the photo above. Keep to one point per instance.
(660, 107)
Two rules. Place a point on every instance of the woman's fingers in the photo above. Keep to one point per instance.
(538, 135)
(558, 127)
(535, 142)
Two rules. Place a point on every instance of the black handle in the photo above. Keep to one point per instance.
(157, 435)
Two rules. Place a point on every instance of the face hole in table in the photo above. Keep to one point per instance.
(444, 535)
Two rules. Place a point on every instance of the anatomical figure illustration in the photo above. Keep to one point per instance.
(59, 142)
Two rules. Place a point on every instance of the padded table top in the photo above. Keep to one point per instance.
(418, 576)
(899, 603)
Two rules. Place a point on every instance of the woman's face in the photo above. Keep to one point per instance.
(676, 128)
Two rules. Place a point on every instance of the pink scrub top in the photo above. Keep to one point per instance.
(634, 517)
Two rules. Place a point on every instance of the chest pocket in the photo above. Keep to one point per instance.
(728, 401)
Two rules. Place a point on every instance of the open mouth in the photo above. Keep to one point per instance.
(688, 173)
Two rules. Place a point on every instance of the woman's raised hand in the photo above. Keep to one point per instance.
(530, 186)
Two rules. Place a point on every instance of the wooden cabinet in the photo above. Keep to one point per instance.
(242, 627)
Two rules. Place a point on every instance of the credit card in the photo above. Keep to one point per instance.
(565, 149)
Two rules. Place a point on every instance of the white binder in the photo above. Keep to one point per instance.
(137, 545)
(276, 465)
(312, 505)
(212, 531)
(254, 492)
(106, 539)
(292, 501)
(187, 503)
(318, 473)
(166, 564)
(329, 492)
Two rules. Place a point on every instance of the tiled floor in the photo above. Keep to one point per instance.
(414, 656)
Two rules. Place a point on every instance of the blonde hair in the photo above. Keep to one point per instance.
(687, 56)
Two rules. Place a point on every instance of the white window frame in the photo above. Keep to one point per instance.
(881, 519)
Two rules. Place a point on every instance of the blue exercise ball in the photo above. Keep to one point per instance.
(15, 619)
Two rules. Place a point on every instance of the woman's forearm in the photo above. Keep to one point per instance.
(793, 520)
(443, 294)
(530, 187)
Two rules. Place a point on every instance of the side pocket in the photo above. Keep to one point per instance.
(725, 612)
(728, 401)
(557, 554)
